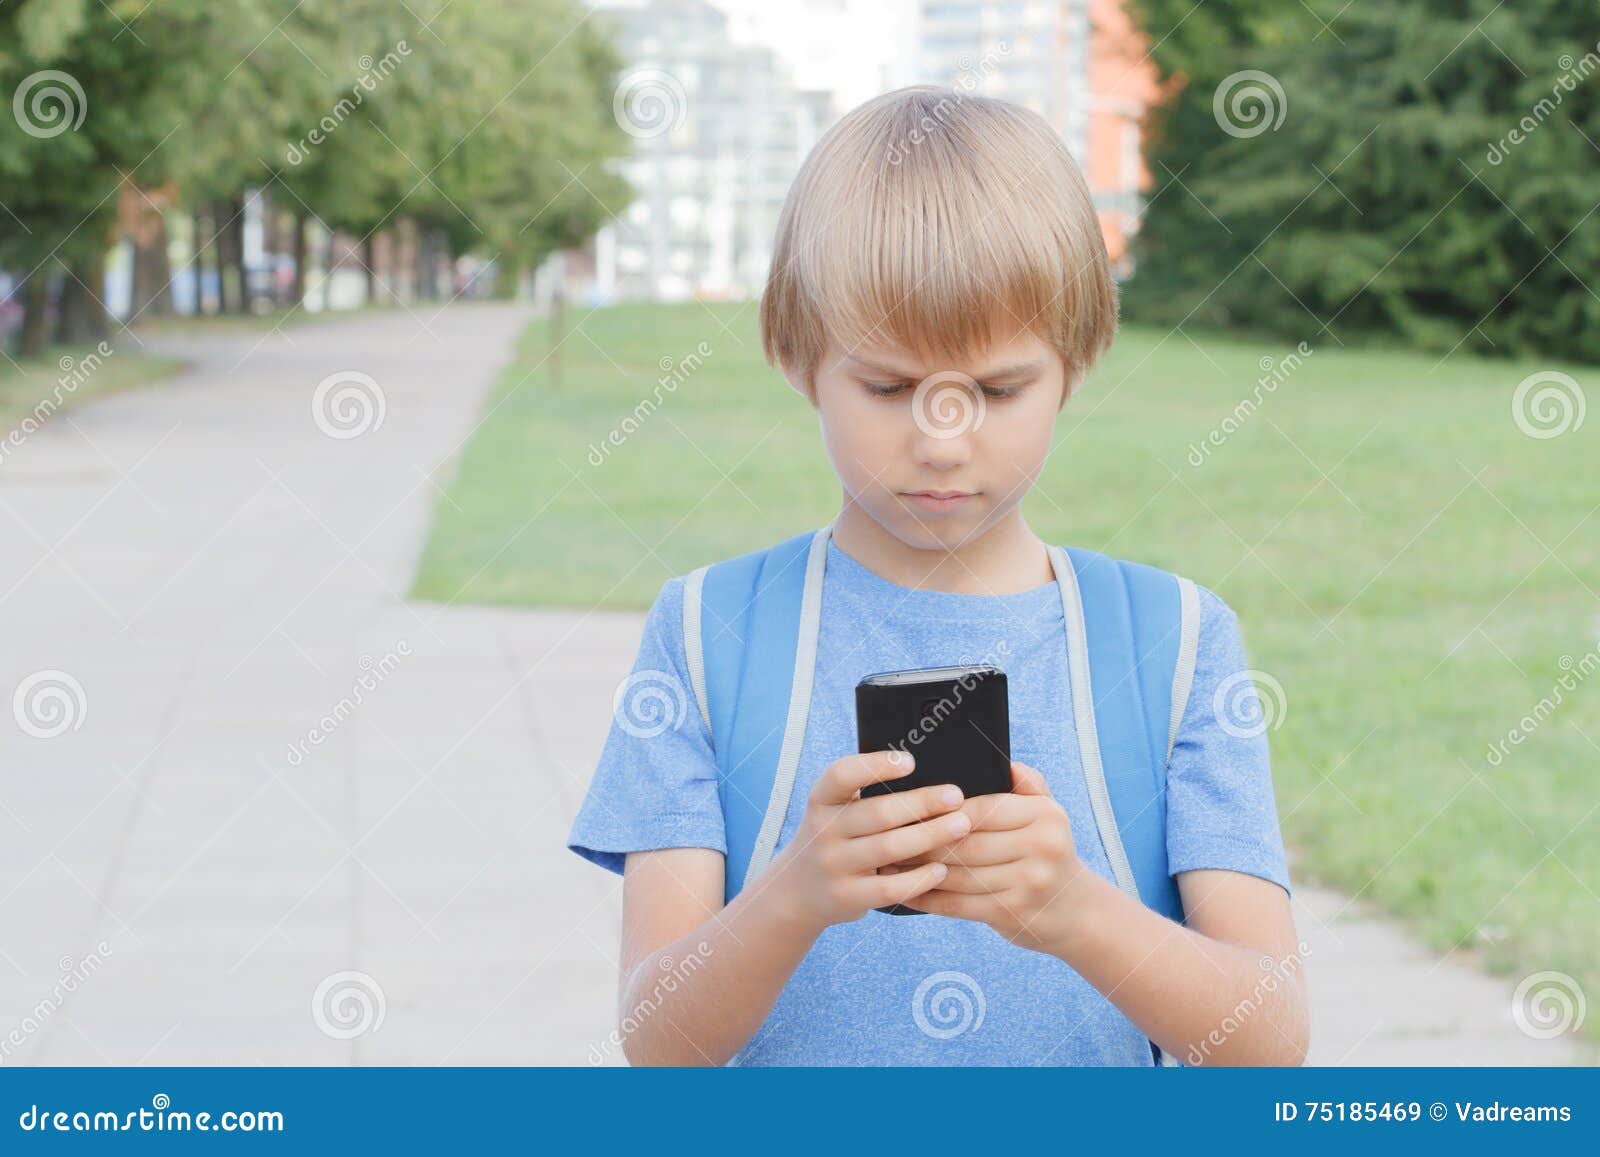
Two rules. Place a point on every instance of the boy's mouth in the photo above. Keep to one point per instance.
(938, 501)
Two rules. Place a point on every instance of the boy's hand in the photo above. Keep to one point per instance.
(1015, 871)
(829, 871)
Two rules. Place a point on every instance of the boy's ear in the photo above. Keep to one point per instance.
(800, 382)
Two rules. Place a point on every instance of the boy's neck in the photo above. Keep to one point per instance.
(1008, 558)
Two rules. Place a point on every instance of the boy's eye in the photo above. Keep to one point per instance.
(892, 389)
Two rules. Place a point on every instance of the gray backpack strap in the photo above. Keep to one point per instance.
(1188, 650)
(693, 645)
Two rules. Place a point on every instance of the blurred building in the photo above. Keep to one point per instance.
(719, 132)
(724, 98)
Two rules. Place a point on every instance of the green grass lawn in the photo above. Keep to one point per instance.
(69, 375)
(1407, 563)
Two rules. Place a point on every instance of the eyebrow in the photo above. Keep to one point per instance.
(1001, 373)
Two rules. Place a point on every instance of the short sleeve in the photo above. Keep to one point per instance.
(656, 783)
(1220, 807)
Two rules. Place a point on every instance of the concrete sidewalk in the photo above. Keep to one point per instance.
(301, 820)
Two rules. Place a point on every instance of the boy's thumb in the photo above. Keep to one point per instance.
(1027, 781)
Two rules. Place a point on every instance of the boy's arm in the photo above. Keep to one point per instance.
(699, 978)
(1226, 987)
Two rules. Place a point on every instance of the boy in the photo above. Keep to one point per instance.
(939, 287)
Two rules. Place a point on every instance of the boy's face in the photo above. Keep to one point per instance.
(938, 454)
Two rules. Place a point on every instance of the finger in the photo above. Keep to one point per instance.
(869, 853)
(961, 905)
(899, 889)
(981, 850)
(841, 780)
(881, 813)
(985, 881)
(1001, 811)
(1026, 780)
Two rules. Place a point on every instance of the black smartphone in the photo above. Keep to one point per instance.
(955, 722)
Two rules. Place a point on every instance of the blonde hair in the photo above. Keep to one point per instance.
(935, 221)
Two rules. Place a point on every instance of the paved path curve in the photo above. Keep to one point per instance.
(303, 821)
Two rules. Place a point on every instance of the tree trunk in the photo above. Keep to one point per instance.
(197, 263)
(81, 314)
(227, 291)
(35, 316)
(297, 294)
(368, 262)
(247, 298)
(152, 269)
(93, 271)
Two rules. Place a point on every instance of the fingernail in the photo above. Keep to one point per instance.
(950, 795)
(960, 824)
(939, 870)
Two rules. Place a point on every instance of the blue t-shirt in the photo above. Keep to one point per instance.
(926, 989)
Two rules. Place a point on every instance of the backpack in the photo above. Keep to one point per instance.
(750, 639)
